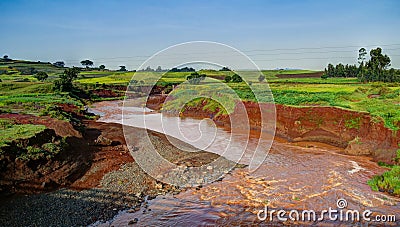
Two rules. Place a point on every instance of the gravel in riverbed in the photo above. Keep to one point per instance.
(120, 190)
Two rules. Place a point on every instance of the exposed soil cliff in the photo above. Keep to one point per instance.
(357, 132)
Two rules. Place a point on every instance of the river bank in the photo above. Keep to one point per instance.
(358, 133)
(296, 175)
(114, 191)
(113, 182)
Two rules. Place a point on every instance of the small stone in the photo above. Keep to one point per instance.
(209, 167)
(102, 141)
(159, 186)
(133, 221)
(150, 197)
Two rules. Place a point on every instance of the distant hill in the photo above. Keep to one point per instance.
(23, 67)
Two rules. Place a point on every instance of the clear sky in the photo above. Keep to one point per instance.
(274, 34)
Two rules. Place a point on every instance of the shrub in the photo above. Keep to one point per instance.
(388, 182)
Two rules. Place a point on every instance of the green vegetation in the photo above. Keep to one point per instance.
(195, 78)
(47, 150)
(41, 76)
(376, 69)
(388, 182)
(11, 131)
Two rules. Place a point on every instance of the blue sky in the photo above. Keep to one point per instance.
(125, 32)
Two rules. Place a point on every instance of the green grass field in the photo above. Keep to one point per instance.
(339, 92)
(10, 131)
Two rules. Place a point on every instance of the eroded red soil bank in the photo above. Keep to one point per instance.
(357, 132)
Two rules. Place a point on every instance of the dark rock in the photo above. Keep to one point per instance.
(134, 221)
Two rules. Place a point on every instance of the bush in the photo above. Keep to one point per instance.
(387, 182)
(261, 78)
(41, 76)
(236, 78)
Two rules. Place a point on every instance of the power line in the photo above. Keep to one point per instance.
(145, 57)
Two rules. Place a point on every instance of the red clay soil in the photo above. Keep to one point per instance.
(83, 157)
(106, 158)
(355, 131)
(105, 93)
(303, 75)
(155, 102)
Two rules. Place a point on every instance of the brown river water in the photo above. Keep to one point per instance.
(294, 176)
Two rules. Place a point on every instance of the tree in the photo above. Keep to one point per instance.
(228, 79)
(340, 70)
(59, 64)
(87, 63)
(195, 78)
(122, 68)
(41, 76)
(376, 69)
(378, 60)
(5, 57)
(362, 52)
(236, 78)
(159, 69)
(261, 78)
(225, 69)
(331, 71)
(102, 67)
(65, 81)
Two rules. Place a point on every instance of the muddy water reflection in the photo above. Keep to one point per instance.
(294, 176)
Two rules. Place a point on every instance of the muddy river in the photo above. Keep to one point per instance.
(294, 177)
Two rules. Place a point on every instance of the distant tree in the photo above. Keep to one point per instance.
(122, 68)
(195, 78)
(59, 64)
(261, 78)
(87, 63)
(236, 78)
(41, 76)
(362, 52)
(225, 69)
(159, 69)
(102, 67)
(65, 81)
(185, 69)
(340, 70)
(378, 60)
(5, 57)
(376, 69)
(324, 76)
(228, 79)
(149, 69)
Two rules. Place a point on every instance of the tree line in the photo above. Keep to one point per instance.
(375, 69)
